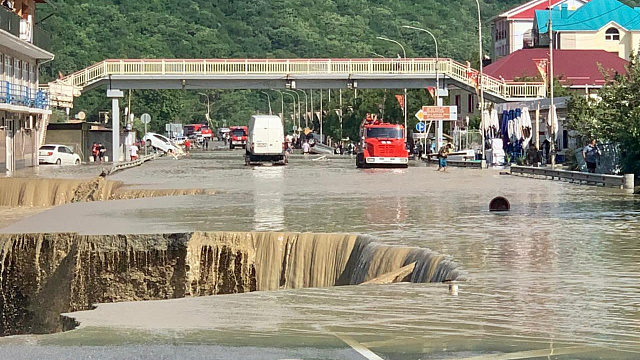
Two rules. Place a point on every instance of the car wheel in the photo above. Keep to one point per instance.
(77, 162)
(58, 162)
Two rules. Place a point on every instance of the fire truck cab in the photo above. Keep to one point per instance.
(381, 144)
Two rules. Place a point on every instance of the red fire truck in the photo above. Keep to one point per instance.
(197, 129)
(238, 136)
(381, 145)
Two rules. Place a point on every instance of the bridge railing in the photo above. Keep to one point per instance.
(420, 66)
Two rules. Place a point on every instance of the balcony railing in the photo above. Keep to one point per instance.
(25, 30)
(20, 95)
(9, 21)
(41, 38)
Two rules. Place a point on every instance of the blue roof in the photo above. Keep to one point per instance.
(591, 16)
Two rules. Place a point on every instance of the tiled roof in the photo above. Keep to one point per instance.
(590, 17)
(574, 67)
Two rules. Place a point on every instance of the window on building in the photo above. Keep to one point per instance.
(565, 139)
(612, 34)
(470, 103)
(458, 104)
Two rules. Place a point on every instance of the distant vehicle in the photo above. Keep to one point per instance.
(202, 129)
(381, 145)
(238, 137)
(265, 140)
(161, 143)
(57, 154)
(222, 132)
(180, 140)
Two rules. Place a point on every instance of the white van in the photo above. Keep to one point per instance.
(265, 141)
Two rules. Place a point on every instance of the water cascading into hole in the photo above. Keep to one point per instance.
(52, 192)
(44, 275)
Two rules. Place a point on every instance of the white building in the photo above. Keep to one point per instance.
(512, 30)
(23, 107)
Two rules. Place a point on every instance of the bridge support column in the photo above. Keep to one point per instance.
(114, 95)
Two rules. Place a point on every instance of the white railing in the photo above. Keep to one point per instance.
(446, 67)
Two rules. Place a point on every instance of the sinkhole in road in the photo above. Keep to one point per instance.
(44, 275)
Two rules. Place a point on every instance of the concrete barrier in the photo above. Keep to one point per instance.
(615, 181)
(130, 164)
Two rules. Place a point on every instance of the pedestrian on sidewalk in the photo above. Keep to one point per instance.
(134, 151)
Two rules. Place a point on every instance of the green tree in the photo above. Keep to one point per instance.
(614, 115)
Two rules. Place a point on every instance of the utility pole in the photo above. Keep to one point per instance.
(341, 135)
(480, 88)
(552, 112)
(320, 119)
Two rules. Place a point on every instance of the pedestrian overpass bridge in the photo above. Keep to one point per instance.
(192, 74)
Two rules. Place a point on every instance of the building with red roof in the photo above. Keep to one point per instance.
(577, 69)
(512, 30)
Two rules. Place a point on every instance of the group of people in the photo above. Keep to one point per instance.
(341, 149)
(98, 151)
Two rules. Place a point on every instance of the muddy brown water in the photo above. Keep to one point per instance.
(561, 270)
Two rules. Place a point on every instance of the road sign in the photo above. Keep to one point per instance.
(145, 118)
(295, 128)
(429, 113)
(420, 126)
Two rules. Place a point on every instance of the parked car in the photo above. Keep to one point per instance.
(161, 143)
(180, 140)
(57, 154)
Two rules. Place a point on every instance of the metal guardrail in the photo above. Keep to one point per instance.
(130, 164)
(417, 66)
(616, 181)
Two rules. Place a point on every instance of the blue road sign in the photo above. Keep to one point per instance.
(420, 126)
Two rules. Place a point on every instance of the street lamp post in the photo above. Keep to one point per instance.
(282, 103)
(207, 115)
(306, 108)
(294, 105)
(299, 106)
(480, 87)
(404, 53)
(438, 101)
(269, 99)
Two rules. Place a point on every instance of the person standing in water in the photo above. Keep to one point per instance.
(590, 154)
(442, 157)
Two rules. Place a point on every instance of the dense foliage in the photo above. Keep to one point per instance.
(614, 115)
(88, 31)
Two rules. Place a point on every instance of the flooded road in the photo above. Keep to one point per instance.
(560, 271)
